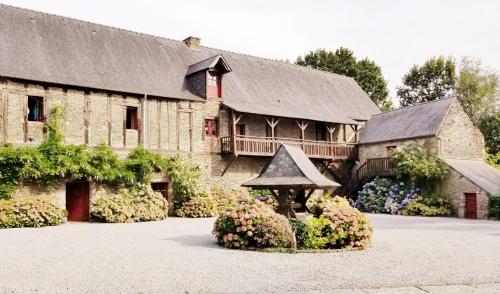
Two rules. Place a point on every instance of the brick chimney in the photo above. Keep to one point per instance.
(193, 42)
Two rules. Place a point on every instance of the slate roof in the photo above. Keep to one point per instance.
(479, 172)
(411, 122)
(47, 48)
(290, 167)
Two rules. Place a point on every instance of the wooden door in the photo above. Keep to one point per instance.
(161, 187)
(77, 201)
(471, 205)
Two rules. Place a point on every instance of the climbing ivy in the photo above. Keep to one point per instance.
(52, 162)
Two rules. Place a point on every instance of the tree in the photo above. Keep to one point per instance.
(433, 80)
(478, 89)
(490, 127)
(365, 72)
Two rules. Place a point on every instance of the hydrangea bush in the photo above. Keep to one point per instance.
(201, 205)
(385, 196)
(139, 204)
(29, 212)
(428, 206)
(249, 223)
(350, 228)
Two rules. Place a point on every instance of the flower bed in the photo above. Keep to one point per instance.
(251, 224)
(29, 212)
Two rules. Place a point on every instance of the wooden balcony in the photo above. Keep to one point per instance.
(267, 146)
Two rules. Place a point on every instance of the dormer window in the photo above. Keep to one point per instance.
(205, 77)
(213, 84)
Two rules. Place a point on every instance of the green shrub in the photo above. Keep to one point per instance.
(201, 205)
(318, 232)
(139, 204)
(252, 224)
(428, 206)
(350, 228)
(184, 177)
(299, 228)
(419, 165)
(494, 206)
(29, 212)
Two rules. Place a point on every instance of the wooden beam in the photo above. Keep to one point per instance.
(345, 136)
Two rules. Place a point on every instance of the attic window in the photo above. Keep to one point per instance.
(213, 84)
(35, 108)
(132, 120)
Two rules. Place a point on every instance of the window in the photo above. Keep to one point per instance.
(390, 150)
(35, 108)
(213, 85)
(132, 118)
(321, 132)
(211, 128)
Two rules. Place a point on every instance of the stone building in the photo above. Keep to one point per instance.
(227, 111)
(443, 128)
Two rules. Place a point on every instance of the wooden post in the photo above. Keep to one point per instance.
(356, 138)
(331, 129)
(283, 203)
(302, 125)
(345, 136)
(272, 122)
(234, 120)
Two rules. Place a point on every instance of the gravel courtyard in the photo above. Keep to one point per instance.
(409, 255)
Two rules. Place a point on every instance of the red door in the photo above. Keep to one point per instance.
(470, 205)
(77, 201)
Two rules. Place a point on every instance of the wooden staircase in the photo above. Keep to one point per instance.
(376, 167)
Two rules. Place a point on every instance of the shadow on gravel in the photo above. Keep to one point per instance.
(195, 241)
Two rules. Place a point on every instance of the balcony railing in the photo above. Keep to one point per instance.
(385, 166)
(266, 146)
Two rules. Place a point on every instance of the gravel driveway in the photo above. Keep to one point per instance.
(178, 255)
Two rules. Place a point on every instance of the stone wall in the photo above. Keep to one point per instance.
(379, 150)
(454, 188)
(460, 138)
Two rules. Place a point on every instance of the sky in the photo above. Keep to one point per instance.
(395, 34)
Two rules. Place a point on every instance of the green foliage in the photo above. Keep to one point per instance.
(428, 206)
(142, 163)
(365, 71)
(250, 223)
(139, 204)
(105, 167)
(478, 89)
(493, 159)
(299, 228)
(201, 205)
(494, 206)
(184, 177)
(433, 80)
(419, 165)
(318, 232)
(29, 212)
(490, 127)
